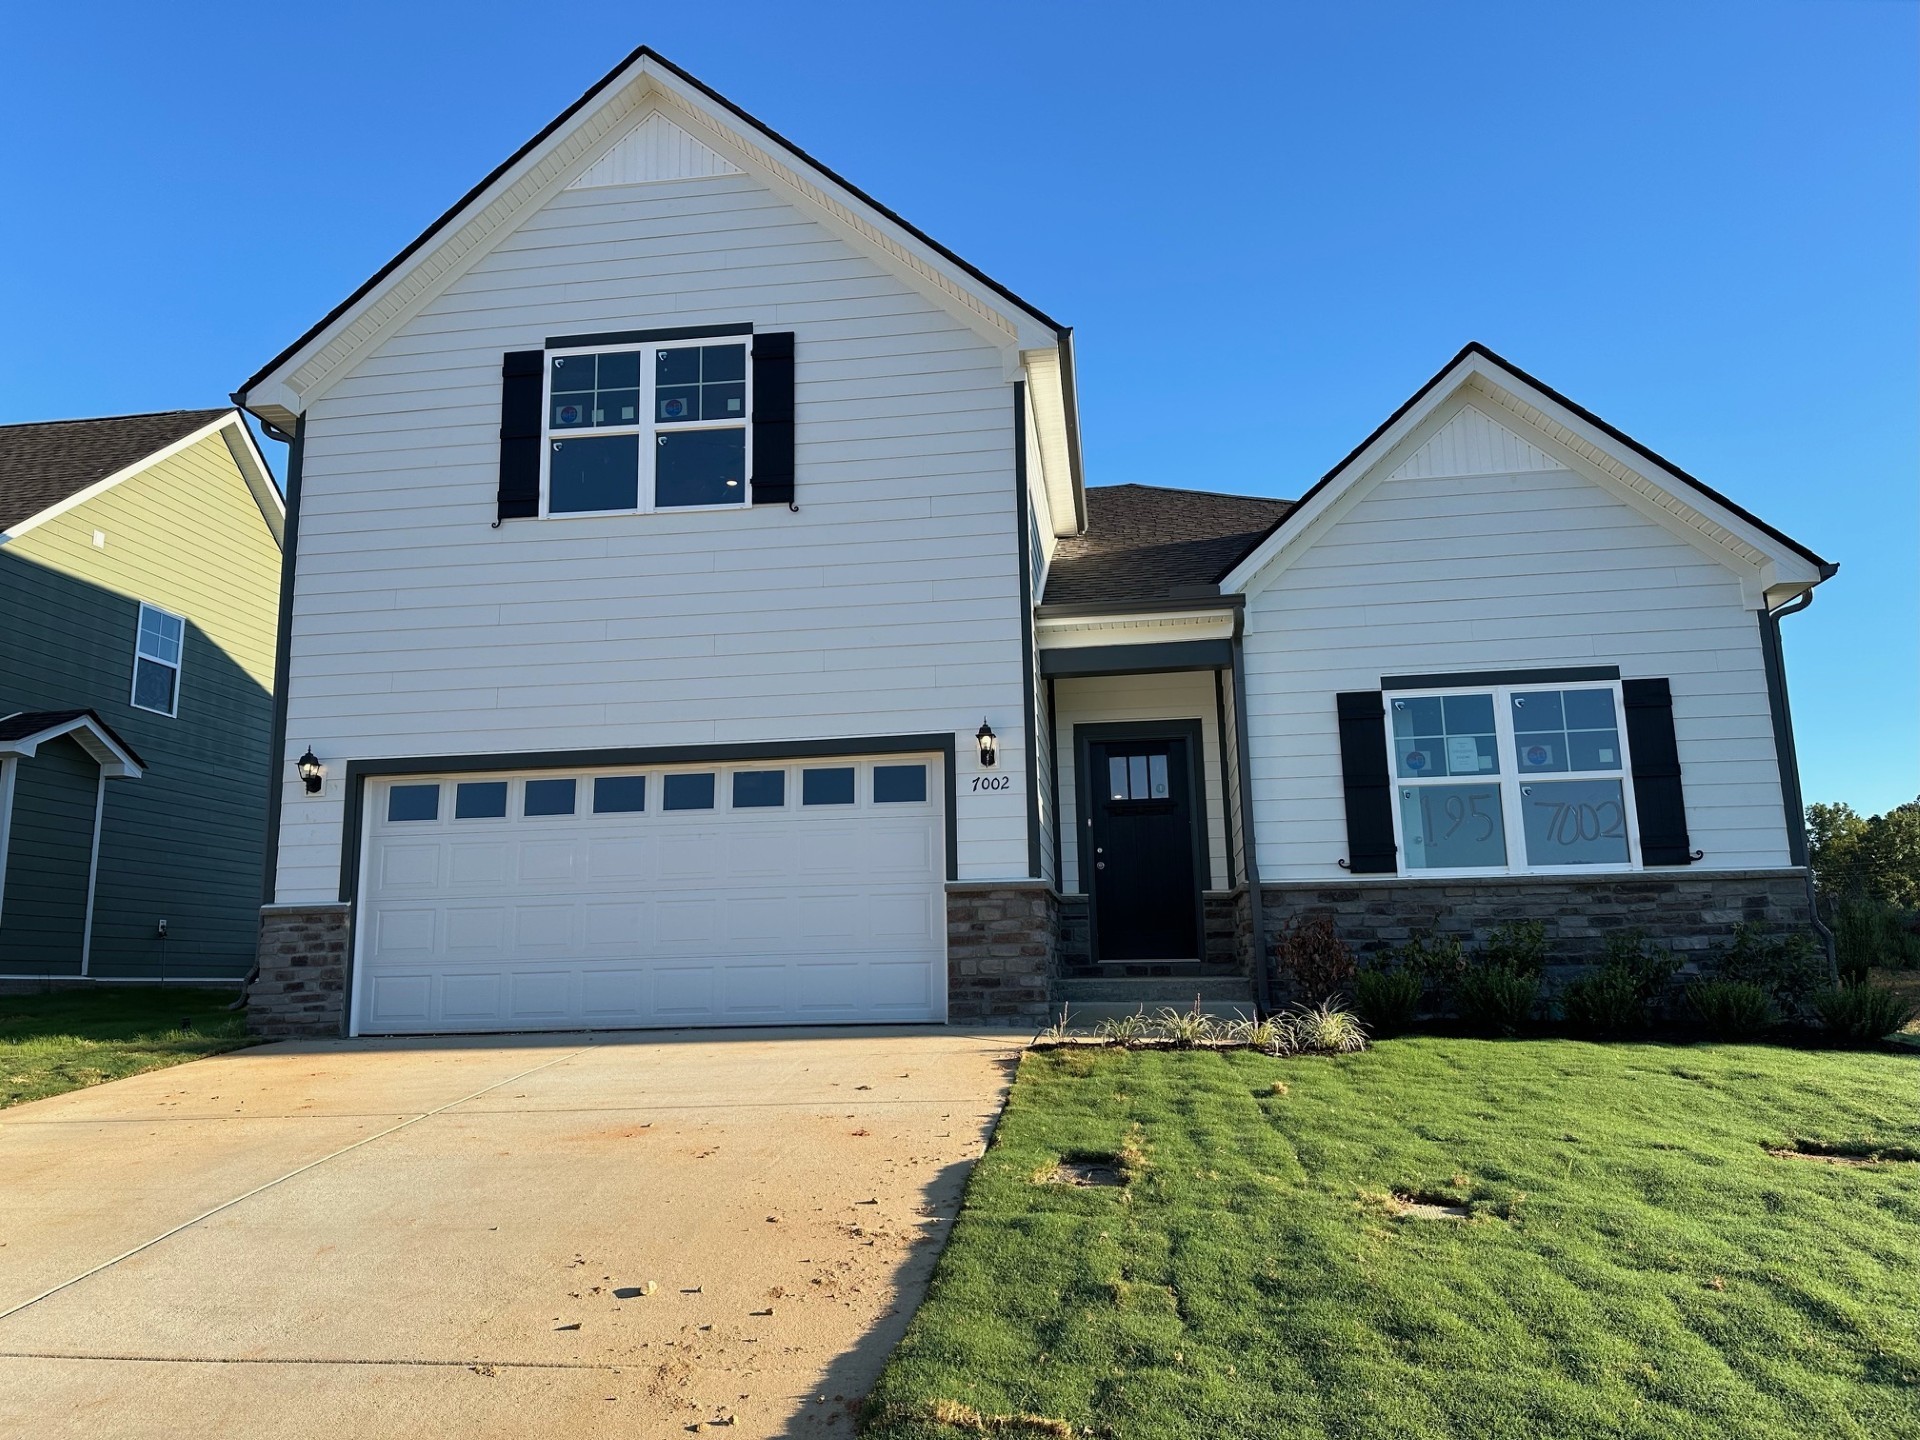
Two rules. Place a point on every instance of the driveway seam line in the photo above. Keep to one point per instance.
(312, 1360)
(280, 1180)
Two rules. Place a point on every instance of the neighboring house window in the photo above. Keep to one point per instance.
(646, 427)
(1513, 779)
(156, 661)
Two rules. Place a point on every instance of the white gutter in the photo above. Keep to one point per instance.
(8, 765)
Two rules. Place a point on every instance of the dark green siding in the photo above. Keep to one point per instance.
(44, 911)
(183, 842)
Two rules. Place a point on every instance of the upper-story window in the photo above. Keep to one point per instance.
(646, 427)
(156, 661)
(1512, 779)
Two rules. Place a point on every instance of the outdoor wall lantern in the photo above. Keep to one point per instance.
(312, 772)
(987, 748)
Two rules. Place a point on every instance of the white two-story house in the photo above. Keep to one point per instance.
(695, 614)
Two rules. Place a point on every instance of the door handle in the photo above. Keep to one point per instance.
(1099, 864)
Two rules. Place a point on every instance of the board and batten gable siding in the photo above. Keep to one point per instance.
(1482, 551)
(1113, 699)
(888, 604)
(183, 842)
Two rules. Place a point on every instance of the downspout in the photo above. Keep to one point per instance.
(93, 872)
(1255, 898)
(8, 765)
(1792, 799)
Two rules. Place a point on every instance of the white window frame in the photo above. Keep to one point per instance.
(177, 665)
(648, 428)
(1510, 781)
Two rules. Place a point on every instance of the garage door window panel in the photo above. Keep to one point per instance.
(759, 789)
(619, 794)
(548, 797)
(687, 792)
(413, 802)
(899, 784)
(480, 800)
(828, 785)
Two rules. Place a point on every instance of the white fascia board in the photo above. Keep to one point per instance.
(288, 389)
(108, 755)
(100, 487)
(1079, 632)
(258, 477)
(1049, 400)
(1760, 560)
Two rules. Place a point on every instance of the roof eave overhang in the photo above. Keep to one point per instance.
(112, 754)
(284, 388)
(1771, 561)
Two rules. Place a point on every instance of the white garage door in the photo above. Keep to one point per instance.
(749, 894)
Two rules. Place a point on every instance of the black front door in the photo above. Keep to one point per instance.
(1140, 854)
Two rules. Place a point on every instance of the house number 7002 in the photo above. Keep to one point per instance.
(992, 782)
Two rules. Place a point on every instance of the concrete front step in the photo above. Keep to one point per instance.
(1090, 1001)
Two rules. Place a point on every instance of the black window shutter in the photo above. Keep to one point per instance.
(773, 418)
(522, 381)
(1657, 798)
(1363, 772)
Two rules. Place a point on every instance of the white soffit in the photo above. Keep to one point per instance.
(655, 149)
(1472, 443)
(1078, 632)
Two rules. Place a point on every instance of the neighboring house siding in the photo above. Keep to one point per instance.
(1454, 565)
(1111, 699)
(183, 843)
(888, 604)
(44, 910)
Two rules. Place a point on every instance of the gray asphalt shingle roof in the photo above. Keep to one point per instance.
(1147, 542)
(43, 463)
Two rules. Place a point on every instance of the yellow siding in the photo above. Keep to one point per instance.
(185, 535)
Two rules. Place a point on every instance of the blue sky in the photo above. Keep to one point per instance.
(1268, 223)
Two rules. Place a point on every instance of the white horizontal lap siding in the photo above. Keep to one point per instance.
(889, 604)
(1484, 572)
(1114, 699)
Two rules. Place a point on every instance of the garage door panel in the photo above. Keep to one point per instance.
(477, 865)
(690, 923)
(616, 925)
(683, 993)
(473, 997)
(410, 867)
(829, 988)
(541, 996)
(620, 858)
(769, 915)
(547, 861)
(614, 997)
(546, 928)
(405, 933)
(475, 931)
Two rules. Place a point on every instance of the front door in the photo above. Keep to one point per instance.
(1142, 850)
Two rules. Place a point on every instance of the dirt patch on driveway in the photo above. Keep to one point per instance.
(574, 1235)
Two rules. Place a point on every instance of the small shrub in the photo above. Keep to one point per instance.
(1432, 956)
(1496, 999)
(1872, 935)
(1387, 999)
(1124, 1029)
(1733, 1009)
(1185, 1029)
(1788, 966)
(1272, 1034)
(1605, 1003)
(1619, 997)
(1518, 947)
(1311, 953)
(1862, 1014)
(1327, 1029)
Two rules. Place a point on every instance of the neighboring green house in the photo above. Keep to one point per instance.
(139, 590)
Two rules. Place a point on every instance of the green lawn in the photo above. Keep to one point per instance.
(1635, 1264)
(66, 1039)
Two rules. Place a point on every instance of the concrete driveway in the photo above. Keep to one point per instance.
(510, 1236)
